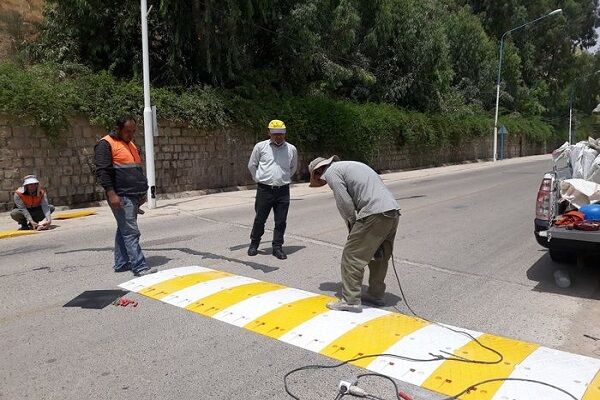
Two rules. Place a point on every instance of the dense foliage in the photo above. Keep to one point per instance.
(49, 93)
(424, 55)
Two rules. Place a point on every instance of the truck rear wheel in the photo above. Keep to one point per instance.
(562, 256)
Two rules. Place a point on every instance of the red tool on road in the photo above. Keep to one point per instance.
(404, 396)
(123, 302)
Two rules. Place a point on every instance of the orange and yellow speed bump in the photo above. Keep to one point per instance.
(73, 214)
(13, 233)
(301, 318)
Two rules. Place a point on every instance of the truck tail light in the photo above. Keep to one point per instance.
(542, 205)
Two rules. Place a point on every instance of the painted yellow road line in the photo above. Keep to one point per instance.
(73, 214)
(285, 318)
(454, 376)
(593, 389)
(14, 233)
(219, 301)
(165, 288)
(372, 337)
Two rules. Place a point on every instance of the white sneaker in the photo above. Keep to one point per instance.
(341, 305)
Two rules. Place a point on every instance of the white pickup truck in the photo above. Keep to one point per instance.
(562, 244)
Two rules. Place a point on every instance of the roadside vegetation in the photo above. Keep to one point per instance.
(344, 74)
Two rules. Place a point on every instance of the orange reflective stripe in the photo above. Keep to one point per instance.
(32, 201)
(123, 154)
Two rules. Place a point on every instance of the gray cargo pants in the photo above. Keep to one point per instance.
(364, 239)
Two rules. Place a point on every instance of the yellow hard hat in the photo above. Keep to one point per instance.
(276, 126)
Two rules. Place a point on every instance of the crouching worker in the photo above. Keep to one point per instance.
(32, 210)
(371, 215)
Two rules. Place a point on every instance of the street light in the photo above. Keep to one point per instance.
(557, 11)
(148, 119)
(571, 106)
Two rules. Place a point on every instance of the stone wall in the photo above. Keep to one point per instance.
(393, 158)
(186, 159)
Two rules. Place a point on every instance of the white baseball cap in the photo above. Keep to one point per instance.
(29, 179)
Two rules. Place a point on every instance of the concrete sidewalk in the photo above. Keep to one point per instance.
(190, 201)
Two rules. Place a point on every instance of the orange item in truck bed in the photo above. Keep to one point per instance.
(568, 219)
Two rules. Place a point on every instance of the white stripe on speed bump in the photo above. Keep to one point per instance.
(318, 332)
(429, 339)
(139, 283)
(248, 310)
(185, 297)
(571, 372)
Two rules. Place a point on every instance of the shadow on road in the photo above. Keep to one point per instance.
(157, 261)
(28, 249)
(336, 288)
(585, 278)
(168, 240)
(186, 250)
(287, 249)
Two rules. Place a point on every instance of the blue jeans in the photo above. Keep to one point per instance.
(128, 254)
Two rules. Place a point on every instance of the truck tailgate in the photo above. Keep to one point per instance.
(573, 234)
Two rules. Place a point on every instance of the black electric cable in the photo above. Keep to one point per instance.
(333, 366)
(452, 357)
(396, 388)
(435, 357)
(472, 387)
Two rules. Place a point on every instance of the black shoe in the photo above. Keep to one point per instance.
(123, 268)
(253, 249)
(367, 298)
(25, 227)
(278, 252)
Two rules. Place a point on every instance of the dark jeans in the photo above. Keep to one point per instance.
(36, 213)
(128, 254)
(267, 198)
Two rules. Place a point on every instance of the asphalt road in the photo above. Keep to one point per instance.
(465, 253)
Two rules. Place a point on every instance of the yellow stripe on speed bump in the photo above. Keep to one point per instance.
(343, 336)
(454, 376)
(285, 318)
(372, 337)
(593, 390)
(173, 285)
(73, 214)
(13, 233)
(212, 304)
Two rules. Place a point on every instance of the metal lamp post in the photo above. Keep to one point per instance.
(557, 11)
(571, 108)
(148, 119)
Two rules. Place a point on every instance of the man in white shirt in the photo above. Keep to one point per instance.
(370, 212)
(272, 164)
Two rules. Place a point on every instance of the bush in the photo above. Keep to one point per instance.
(39, 93)
(50, 93)
(355, 131)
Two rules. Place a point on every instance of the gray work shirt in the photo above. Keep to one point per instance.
(273, 165)
(358, 190)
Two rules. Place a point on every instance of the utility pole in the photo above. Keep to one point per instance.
(148, 119)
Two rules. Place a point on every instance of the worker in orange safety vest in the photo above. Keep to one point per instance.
(32, 210)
